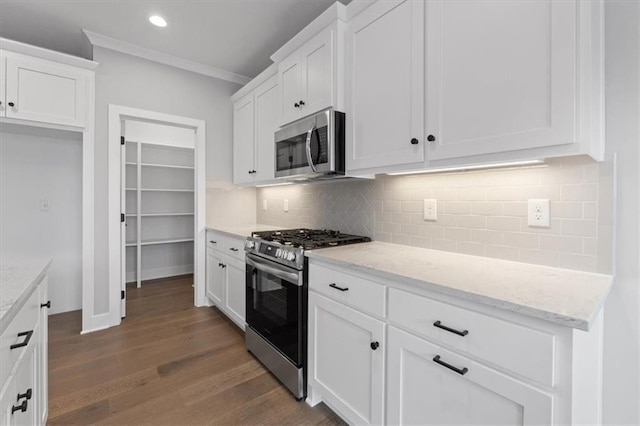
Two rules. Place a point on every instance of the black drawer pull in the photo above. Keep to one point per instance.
(338, 288)
(22, 407)
(28, 394)
(233, 249)
(213, 242)
(26, 340)
(375, 345)
(46, 305)
(451, 330)
(462, 372)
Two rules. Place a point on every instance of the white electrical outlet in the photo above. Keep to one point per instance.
(430, 209)
(539, 213)
(45, 205)
(286, 205)
(264, 204)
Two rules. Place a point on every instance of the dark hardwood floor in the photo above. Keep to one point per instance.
(167, 363)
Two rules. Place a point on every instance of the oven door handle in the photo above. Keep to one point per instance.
(293, 277)
(309, 158)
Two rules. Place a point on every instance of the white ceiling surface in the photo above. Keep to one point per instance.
(232, 35)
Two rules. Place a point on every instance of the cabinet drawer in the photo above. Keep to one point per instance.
(511, 346)
(234, 247)
(349, 289)
(215, 240)
(25, 322)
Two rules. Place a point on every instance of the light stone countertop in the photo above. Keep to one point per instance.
(242, 231)
(18, 277)
(566, 297)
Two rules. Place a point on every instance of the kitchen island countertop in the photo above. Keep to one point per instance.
(566, 297)
(19, 275)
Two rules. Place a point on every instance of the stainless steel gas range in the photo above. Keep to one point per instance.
(277, 292)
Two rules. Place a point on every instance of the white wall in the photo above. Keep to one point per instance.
(36, 165)
(138, 83)
(622, 315)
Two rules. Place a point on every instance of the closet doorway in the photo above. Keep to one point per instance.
(160, 200)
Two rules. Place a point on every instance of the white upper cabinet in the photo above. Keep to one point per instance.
(308, 77)
(44, 91)
(501, 76)
(255, 118)
(385, 90)
(472, 82)
(266, 119)
(243, 140)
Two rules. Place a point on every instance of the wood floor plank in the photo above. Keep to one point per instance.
(168, 363)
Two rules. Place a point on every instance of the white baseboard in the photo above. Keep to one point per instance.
(98, 322)
(170, 271)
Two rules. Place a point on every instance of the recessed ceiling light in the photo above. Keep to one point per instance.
(158, 21)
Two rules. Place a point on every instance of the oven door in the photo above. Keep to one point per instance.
(275, 305)
(305, 147)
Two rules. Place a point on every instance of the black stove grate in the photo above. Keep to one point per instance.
(310, 238)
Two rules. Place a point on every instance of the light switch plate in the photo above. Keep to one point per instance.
(430, 209)
(538, 216)
(264, 204)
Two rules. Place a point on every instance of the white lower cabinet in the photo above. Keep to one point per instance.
(430, 385)
(215, 277)
(23, 346)
(226, 276)
(346, 359)
(438, 359)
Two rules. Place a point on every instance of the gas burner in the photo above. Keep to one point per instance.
(308, 239)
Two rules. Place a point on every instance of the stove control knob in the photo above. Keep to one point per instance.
(249, 244)
(278, 252)
(291, 256)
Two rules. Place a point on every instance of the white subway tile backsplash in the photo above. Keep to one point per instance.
(482, 213)
(488, 208)
(521, 240)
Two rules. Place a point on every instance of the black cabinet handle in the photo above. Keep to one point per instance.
(296, 105)
(462, 372)
(213, 242)
(26, 340)
(451, 330)
(338, 288)
(22, 407)
(223, 265)
(375, 345)
(414, 141)
(46, 305)
(431, 138)
(219, 265)
(233, 249)
(301, 103)
(28, 394)
(11, 104)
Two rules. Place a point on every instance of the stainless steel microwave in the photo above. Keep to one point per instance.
(312, 147)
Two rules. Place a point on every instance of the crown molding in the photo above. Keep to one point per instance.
(164, 58)
(52, 55)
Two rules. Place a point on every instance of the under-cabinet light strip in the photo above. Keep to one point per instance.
(473, 167)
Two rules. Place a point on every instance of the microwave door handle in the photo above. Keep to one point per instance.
(309, 159)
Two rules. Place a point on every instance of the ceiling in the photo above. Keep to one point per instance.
(237, 36)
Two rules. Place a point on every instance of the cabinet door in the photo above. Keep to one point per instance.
(7, 401)
(319, 73)
(44, 91)
(267, 99)
(243, 136)
(501, 75)
(215, 278)
(42, 354)
(421, 391)
(235, 291)
(344, 367)
(3, 68)
(386, 75)
(25, 377)
(290, 75)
